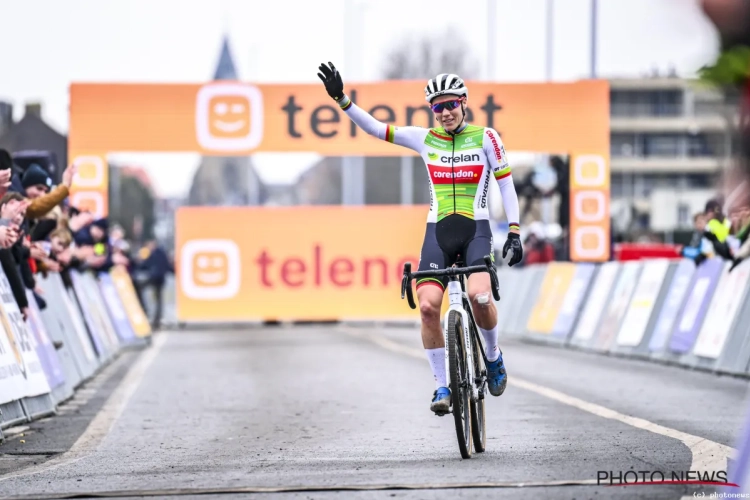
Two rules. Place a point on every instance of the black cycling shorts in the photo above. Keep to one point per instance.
(453, 237)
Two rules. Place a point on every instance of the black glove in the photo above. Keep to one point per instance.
(332, 81)
(735, 263)
(513, 243)
(699, 259)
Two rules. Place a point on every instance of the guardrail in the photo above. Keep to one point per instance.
(665, 310)
(91, 322)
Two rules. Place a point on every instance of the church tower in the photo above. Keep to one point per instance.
(226, 180)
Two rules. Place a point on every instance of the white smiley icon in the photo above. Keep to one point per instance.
(235, 111)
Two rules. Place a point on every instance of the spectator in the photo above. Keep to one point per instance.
(36, 186)
(12, 175)
(698, 250)
(95, 240)
(537, 250)
(12, 210)
(717, 227)
(562, 170)
(743, 250)
(157, 265)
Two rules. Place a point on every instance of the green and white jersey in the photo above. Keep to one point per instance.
(460, 166)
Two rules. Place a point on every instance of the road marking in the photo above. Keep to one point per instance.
(102, 424)
(299, 489)
(707, 455)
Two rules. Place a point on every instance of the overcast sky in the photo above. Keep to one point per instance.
(47, 44)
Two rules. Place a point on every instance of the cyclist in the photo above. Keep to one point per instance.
(460, 160)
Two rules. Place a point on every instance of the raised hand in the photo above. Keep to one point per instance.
(331, 78)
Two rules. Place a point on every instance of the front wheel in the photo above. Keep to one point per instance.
(478, 425)
(460, 396)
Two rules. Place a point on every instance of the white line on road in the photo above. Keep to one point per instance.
(101, 425)
(707, 455)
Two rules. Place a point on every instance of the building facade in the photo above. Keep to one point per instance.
(670, 141)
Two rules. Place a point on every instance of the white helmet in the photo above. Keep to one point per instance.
(445, 83)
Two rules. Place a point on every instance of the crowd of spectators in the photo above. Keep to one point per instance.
(719, 234)
(42, 233)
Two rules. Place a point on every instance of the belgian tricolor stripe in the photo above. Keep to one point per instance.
(389, 132)
(345, 103)
(501, 174)
(429, 281)
(443, 137)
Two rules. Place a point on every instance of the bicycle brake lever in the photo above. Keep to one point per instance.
(405, 280)
(493, 277)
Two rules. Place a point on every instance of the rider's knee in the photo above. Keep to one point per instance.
(428, 310)
(483, 299)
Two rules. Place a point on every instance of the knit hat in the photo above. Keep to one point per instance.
(6, 161)
(34, 176)
(102, 224)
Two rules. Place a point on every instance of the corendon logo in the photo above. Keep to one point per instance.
(447, 175)
(498, 154)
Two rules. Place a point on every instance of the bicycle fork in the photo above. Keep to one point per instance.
(456, 296)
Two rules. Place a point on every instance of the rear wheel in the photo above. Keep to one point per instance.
(478, 427)
(460, 398)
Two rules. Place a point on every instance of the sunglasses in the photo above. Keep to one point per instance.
(439, 107)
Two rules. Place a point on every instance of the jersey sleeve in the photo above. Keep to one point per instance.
(498, 162)
(409, 137)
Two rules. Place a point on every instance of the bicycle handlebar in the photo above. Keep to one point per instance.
(488, 267)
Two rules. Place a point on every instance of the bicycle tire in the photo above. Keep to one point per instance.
(478, 420)
(460, 398)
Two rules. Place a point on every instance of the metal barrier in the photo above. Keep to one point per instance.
(664, 310)
(44, 359)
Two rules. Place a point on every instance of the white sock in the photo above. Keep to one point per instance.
(436, 358)
(490, 341)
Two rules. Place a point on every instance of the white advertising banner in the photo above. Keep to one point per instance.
(597, 300)
(12, 382)
(726, 301)
(634, 324)
(21, 342)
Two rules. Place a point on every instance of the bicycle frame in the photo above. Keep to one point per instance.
(457, 295)
(458, 298)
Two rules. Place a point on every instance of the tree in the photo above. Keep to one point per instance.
(423, 58)
(136, 203)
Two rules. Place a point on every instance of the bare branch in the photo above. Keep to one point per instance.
(429, 56)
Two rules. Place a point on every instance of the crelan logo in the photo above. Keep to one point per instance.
(432, 156)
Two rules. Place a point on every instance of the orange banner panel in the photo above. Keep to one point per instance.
(295, 263)
(92, 170)
(237, 118)
(590, 239)
(90, 189)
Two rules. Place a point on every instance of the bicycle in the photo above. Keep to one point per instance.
(466, 371)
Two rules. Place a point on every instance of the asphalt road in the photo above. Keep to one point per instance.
(321, 409)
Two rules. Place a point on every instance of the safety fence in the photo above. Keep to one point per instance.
(666, 310)
(47, 357)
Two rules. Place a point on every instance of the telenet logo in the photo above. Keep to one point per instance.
(90, 173)
(210, 269)
(229, 116)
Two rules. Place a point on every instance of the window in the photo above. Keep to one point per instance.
(661, 145)
(632, 103)
(622, 145)
(697, 145)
